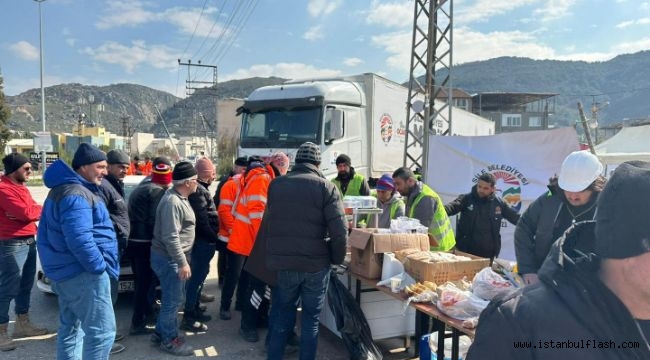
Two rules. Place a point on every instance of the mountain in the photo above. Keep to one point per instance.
(65, 103)
(620, 87)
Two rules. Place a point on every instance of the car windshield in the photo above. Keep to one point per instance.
(280, 127)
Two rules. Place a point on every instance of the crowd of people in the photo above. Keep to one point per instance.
(278, 232)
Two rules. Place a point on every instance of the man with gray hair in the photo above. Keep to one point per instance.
(593, 287)
(173, 237)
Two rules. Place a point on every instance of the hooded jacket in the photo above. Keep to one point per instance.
(570, 314)
(537, 228)
(470, 206)
(75, 234)
(207, 221)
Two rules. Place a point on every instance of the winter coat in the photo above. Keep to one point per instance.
(535, 230)
(18, 210)
(207, 221)
(75, 233)
(568, 315)
(117, 209)
(304, 224)
(249, 208)
(142, 210)
(470, 206)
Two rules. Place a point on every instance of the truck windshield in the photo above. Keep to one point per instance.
(280, 127)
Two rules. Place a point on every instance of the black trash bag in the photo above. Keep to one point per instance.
(351, 322)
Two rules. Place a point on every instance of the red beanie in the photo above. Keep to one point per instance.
(161, 174)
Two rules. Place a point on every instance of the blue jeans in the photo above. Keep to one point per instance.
(202, 254)
(17, 270)
(311, 288)
(86, 317)
(173, 291)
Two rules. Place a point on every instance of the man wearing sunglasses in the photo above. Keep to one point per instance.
(18, 215)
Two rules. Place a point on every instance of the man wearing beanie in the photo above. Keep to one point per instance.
(389, 201)
(302, 207)
(143, 203)
(78, 251)
(478, 231)
(571, 197)
(18, 215)
(112, 192)
(348, 181)
(173, 237)
(593, 287)
(205, 243)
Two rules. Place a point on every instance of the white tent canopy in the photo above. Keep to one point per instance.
(631, 143)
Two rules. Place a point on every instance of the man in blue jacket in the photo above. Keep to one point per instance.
(78, 252)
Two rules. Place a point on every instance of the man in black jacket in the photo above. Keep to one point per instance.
(478, 231)
(305, 231)
(143, 203)
(593, 298)
(112, 192)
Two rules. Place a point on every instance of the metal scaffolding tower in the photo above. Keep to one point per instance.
(431, 59)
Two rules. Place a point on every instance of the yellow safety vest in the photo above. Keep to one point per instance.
(440, 228)
(354, 186)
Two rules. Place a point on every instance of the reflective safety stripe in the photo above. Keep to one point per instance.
(242, 218)
(223, 238)
(256, 197)
(226, 202)
(256, 215)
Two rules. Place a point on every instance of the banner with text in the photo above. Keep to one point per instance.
(522, 163)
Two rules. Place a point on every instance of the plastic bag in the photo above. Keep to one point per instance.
(460, 304)
(487, 284)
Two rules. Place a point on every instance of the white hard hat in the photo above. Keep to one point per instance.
(579, 170)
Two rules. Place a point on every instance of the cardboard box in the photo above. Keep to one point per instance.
(367, 247)
(441, 272)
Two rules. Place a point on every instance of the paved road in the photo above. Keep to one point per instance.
(221, 340)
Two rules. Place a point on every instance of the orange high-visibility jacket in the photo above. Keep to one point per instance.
(227, 197)
(248, 209)
(148, 167)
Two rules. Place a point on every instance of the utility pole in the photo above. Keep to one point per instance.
(127, 133)
(431, 52)
(196, 87)
(40, 45)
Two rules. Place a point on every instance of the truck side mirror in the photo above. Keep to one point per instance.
(333, 125)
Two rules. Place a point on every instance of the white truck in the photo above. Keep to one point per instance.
(363, 116)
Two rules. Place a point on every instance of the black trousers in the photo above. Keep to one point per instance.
(145, 282)
(236, 279)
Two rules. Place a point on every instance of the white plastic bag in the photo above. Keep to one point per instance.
(487, 284)
(460, 304)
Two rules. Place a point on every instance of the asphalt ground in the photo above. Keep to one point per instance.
(220, 341)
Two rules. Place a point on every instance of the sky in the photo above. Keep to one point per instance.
(102, 42)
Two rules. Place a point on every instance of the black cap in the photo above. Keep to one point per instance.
(13, 162)
(183, 170)
(623, 213)
(241, 161)
(344, 159)
(117, 156)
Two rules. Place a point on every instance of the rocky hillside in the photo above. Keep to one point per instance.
(621, 86)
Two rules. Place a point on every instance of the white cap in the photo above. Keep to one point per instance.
(579, 170)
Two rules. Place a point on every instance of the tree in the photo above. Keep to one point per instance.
(227, 151)
(5, 113)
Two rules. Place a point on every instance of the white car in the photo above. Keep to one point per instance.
(127, 282)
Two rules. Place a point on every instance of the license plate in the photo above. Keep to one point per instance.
(128, 285)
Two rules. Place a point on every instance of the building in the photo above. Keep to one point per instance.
(512, 112)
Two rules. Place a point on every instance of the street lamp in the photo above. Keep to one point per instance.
(40, 41)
